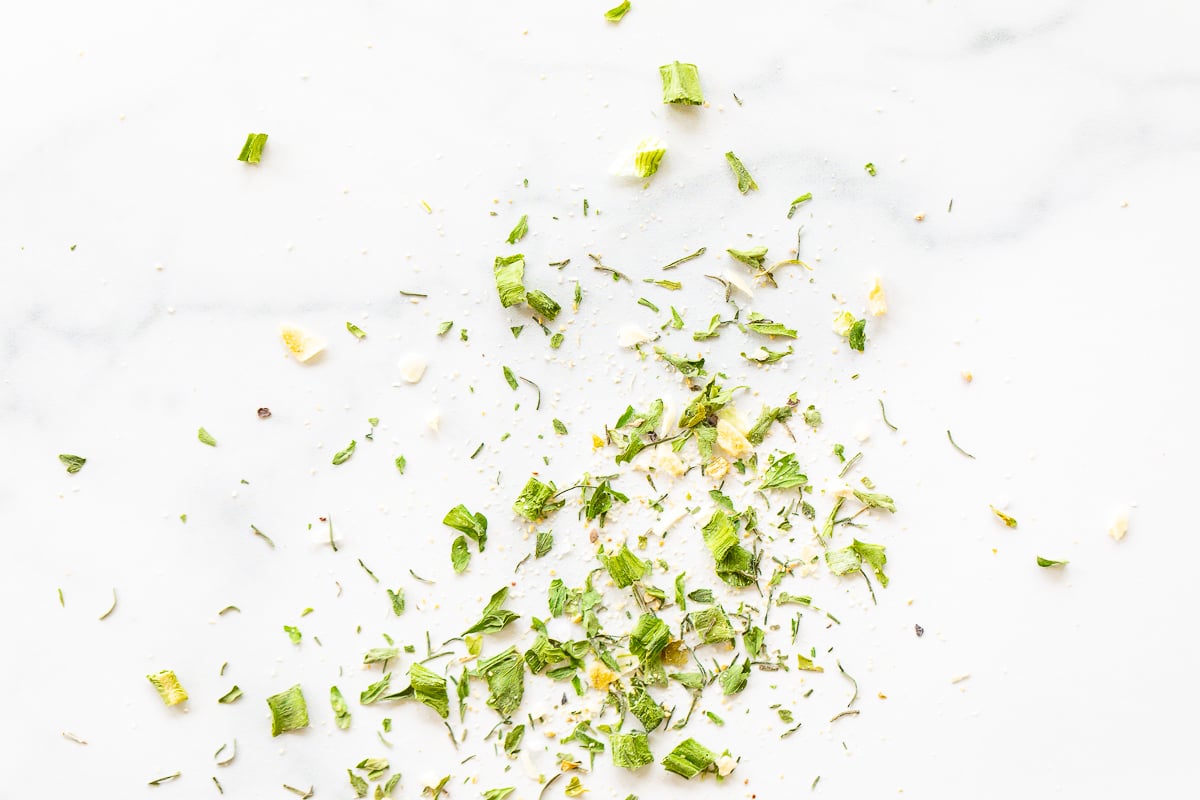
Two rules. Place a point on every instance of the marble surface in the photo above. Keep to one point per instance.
(146, 272)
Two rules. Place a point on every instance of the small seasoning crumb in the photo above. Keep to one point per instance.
(264, 413)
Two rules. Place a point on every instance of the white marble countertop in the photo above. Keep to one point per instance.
(147, 271)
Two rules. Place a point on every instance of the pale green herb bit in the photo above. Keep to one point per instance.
(713, 325)
(689, 368)
(1009, 522)
(374, 767)
(380, 655)
(870, 168)
(206, 438)
(401, 463)
(252, 149)
(358, 332)
(500, 794)
(460, 556)
(293, 633)
(799, 201)
(494, 618)
(711, 625)
(744, 181)
(760, 324)
(444, 327)
(359, 785)
(805, 663)
(1049, 562)
(850, 559)
(509, 272)
(518, 232)
(649, 638)
(556, 341)
(753, 257)
(876, 500)
(559, 427)
(681, 84)
(734, 679)
(341, 711)
(630, 750)
(615, 14)
(735, 564)
(689, 759)
(231, 696)
(510, 378)
(72, 463)
(812, 417)
(574, 787)
(545, 542)
(764, 355)
(168, 686)
(288, 711)
(342, 456)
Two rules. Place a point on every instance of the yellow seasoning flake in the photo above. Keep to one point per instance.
(300, 343)
(601, 677)
(876, 299)
(168, 687)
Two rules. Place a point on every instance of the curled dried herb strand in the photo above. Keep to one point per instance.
(686, 259)
(883, 411)
(111, 608)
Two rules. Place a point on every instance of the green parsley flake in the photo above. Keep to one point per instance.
(625, 567)
(342, 456)
(545, 542)
(1048, 562)
(615, 14)
(252, 149)
(518, 232)
(857, 335)
(444, 327)
(559, 427)
(689, 759)
(509, 272)
(293, 633)
(630, 750)
(206, 438)
(735, 564)
(744, 181)
(401, 464)
(505, 676)
(429, 688)
(870, 168)
(494, 618)
(397, 598)
(760, 324)
(289, 712)
(72, 463)
(783, 473)
(473, 525)
(460, 556)
(510, 378)
(168, 686)
(681, 84)
(850, 559)
(649, 638)
(876, 500)
(358, 332)
(536, 500)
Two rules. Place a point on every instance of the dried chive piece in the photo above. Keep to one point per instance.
(744, 182)
(169, 688)
(206, 438)
(681, 84)
(870, 168)
(252, 149)
(289, 712)
(358, 332)
(72, 463)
